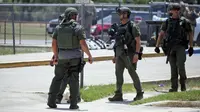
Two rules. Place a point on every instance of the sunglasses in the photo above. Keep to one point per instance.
(121, 13)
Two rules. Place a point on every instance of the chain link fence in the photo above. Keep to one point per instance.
(34, 23)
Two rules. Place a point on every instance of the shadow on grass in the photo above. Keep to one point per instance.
(125, 101)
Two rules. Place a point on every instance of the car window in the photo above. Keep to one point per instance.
(106, 19)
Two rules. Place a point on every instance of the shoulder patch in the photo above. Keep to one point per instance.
(132, 23)
(78, 27)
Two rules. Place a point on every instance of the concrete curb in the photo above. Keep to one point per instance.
(46, 62)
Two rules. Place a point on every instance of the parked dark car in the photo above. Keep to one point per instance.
(51, 26)
(106, 12)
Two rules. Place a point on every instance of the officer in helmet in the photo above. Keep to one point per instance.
(68, 40)
(127, 49)
(178, 34)
(65, 81)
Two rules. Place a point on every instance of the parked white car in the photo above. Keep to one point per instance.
(197, 32)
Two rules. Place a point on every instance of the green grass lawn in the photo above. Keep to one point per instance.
(9, 50)
(26, 28)
(31, 31)
(92, 93)
(193, 95)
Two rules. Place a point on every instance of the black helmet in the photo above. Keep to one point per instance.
(124, 9)
(174, 6)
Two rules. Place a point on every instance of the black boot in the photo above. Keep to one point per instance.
(173, 90)
(59, 98)
(74, 107)
(174, 85)
(58, 101)
(51, 102)
(139, 96)
(116, 97)
(78, 99)
(183, 87)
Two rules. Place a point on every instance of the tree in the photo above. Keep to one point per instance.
(198, 1)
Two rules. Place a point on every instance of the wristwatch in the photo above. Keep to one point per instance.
(136, 52)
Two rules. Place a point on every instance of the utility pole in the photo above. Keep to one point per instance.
(120, 1)
(13, 26)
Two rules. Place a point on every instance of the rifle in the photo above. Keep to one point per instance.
(168, 54)
(169, 46)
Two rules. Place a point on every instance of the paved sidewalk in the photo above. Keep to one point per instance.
(149, 69)
(47, 55)
(39, 59)
(37, 103)
(24, 89)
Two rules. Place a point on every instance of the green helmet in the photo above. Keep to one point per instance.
(174, 6)
(70, 11)
(124, 9)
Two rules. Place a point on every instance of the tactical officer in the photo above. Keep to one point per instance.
(127, 48)
(189, 13)
(65, 80)
(68, 38)
(178, 32)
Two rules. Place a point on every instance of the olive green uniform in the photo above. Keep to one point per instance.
(177, 54)
(68, 36)
(123, 61)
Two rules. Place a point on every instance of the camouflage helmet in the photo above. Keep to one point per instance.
(174, 6)
(70, 11)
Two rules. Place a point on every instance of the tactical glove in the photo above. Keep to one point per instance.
(157, 50)
(140, 56)
(190, 51)
(140, 53)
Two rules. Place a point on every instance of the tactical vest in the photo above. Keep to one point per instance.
(176, 32)
(128, 38)
(67, 38)
(131, 42)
